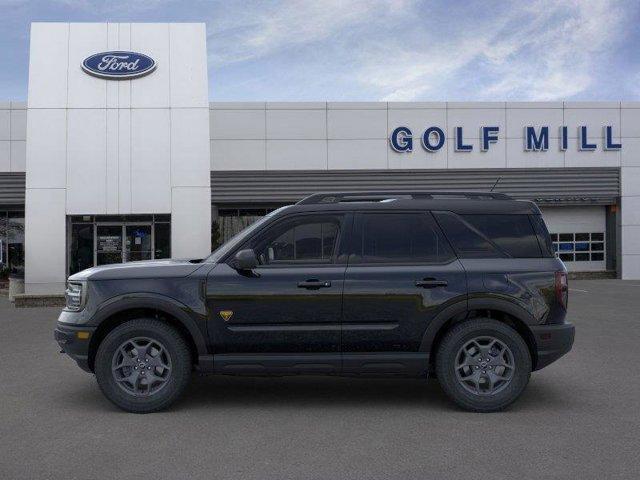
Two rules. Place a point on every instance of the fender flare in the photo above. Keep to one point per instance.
(163, 303)
(464, 306)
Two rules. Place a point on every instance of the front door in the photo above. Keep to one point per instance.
(401, 273)
(289, 308)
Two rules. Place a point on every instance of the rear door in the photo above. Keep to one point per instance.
(401, 273)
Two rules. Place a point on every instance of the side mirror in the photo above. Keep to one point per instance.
(245, 260)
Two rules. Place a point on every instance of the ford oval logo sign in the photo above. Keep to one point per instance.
(118, 65)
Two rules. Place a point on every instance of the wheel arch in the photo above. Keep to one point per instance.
(122, 309)
(496, 308)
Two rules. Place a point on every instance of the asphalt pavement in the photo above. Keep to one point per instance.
(579, 418)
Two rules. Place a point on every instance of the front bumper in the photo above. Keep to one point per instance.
(74, 341)
(552, 342)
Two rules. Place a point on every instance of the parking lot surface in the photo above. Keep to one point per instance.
(578, 418)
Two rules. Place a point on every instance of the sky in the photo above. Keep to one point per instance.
(377, 50)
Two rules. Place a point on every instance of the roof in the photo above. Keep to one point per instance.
(457, 202)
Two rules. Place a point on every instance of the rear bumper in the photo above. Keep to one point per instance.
(552, 342)
(74, 345)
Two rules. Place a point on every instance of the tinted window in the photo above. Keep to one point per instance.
(307, 239)
(468, 242)
(512, 233)
(544, 239)
(400, 237)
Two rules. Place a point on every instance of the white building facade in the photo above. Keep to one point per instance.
(107, 170)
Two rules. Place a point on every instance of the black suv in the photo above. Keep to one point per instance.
(461, 286)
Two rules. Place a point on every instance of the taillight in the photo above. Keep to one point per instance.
(562, 288)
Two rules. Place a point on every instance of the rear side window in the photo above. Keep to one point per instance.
(400, 238)
(466, 240)
(514, 234)
(491, 236)
(544, 239)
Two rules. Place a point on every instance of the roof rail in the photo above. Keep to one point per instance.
(337, 197)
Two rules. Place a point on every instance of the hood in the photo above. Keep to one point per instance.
(143, 269)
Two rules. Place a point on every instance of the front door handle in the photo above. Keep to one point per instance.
(431, 283)
(314, 284)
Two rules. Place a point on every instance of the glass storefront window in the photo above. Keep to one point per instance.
(102, 239)
(163, 240)
(15, 242)
(81, 254)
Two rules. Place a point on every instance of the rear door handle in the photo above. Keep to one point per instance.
(431, 283)
(314, 284)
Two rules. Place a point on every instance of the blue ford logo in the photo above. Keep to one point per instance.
(118, 65)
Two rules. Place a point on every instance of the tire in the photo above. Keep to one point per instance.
(492, 385)
(163, 362)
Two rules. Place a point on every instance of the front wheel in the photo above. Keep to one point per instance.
(143, 365)
(483, 365)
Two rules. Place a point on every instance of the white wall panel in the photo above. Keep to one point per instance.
(357, 124)
(238, 124)
(296, 154)
(418, 120)
(113, 43)
(47, 148)
(517, 157)
(630, 153)
(45, 240)
(86, 91)
(150, 161)
(238, 155)
(124, 86)
(191, 222)
(419, 158)
(495, 157)
(597, 158)
(5, 124)
(472, 119)
(111, 162)
(296, 124)
(18, 156)
(592, 118)
(518, 118)
(18, 124)
(357, 154)
(152, 91)
(124, 161)
(86, 161)
(5, 156)
(188, 73)
(48, 62)
(190, 164)
(630, 120)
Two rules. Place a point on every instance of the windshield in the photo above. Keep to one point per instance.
(239, 237)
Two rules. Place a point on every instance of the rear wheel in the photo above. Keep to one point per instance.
(483, 365)
(143, 365)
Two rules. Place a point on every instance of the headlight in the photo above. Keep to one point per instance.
(76, 296)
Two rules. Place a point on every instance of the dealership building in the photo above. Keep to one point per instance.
(118, 155)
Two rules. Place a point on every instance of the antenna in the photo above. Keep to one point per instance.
(494, 185)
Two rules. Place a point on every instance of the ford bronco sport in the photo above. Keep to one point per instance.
(463, 286)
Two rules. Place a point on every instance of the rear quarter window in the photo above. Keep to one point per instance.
(491, 236)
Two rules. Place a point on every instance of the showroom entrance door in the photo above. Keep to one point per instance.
(123, 243)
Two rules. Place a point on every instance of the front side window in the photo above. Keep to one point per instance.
(400, 238)
(307, 239)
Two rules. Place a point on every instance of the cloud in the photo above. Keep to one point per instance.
(540, 51)
(264, 28)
